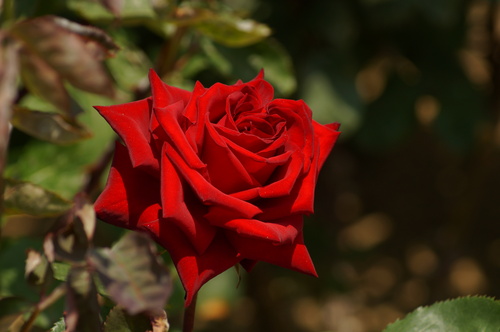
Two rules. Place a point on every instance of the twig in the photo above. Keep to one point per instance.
(47, 301)
(8, 90)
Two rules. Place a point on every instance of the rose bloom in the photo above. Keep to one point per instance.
(218, 176)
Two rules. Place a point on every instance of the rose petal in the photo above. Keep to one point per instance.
(298, 123)
(226, 171)
(168, 118)
(279, 232)
(131, 197)
(194, 269)
(165, 95)
(214, 99)
(293, 256)
(326, 135)
(284, 180)
(206, 192)
(132, 123)
(181, 207)
(260, 168)
(263, 89)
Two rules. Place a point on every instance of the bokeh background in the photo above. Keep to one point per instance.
(408, 204)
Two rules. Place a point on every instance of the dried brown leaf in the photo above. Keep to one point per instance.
(69, 49)
(8, 92)
(82, 308)
(43, 81)
(51, 127)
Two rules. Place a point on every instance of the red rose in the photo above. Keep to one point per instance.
(217, 176)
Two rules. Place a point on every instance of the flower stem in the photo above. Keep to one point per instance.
(189, 314)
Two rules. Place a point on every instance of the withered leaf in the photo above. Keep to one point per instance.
(74, 51)
(27, 198)
(51, 127)
(133, 274)
(43, 81)
(82, 308)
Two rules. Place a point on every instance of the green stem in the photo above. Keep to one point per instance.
(189, 314)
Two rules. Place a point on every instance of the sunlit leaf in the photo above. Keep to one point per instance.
(59, 326)
(61, 270)
(68, 50)
(119, 321)
(132, 11)
(82, 308)
(28, 198)
(460, 315)
(233, 31)
(51, 127)
(133, 275)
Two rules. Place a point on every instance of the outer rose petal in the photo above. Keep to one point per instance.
(132, 123)
(292, 256)
(326, 135)
(131, 197)
(165, 95)
(195, 270)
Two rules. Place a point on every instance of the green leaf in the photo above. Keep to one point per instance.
(131, 11)
(82, 309)
(50, 127)
(61, 168)
(233, 31)
(133, 274)
(61, 270)
(28, 198)
(468, 314)
(119, 321)
(59, 326)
